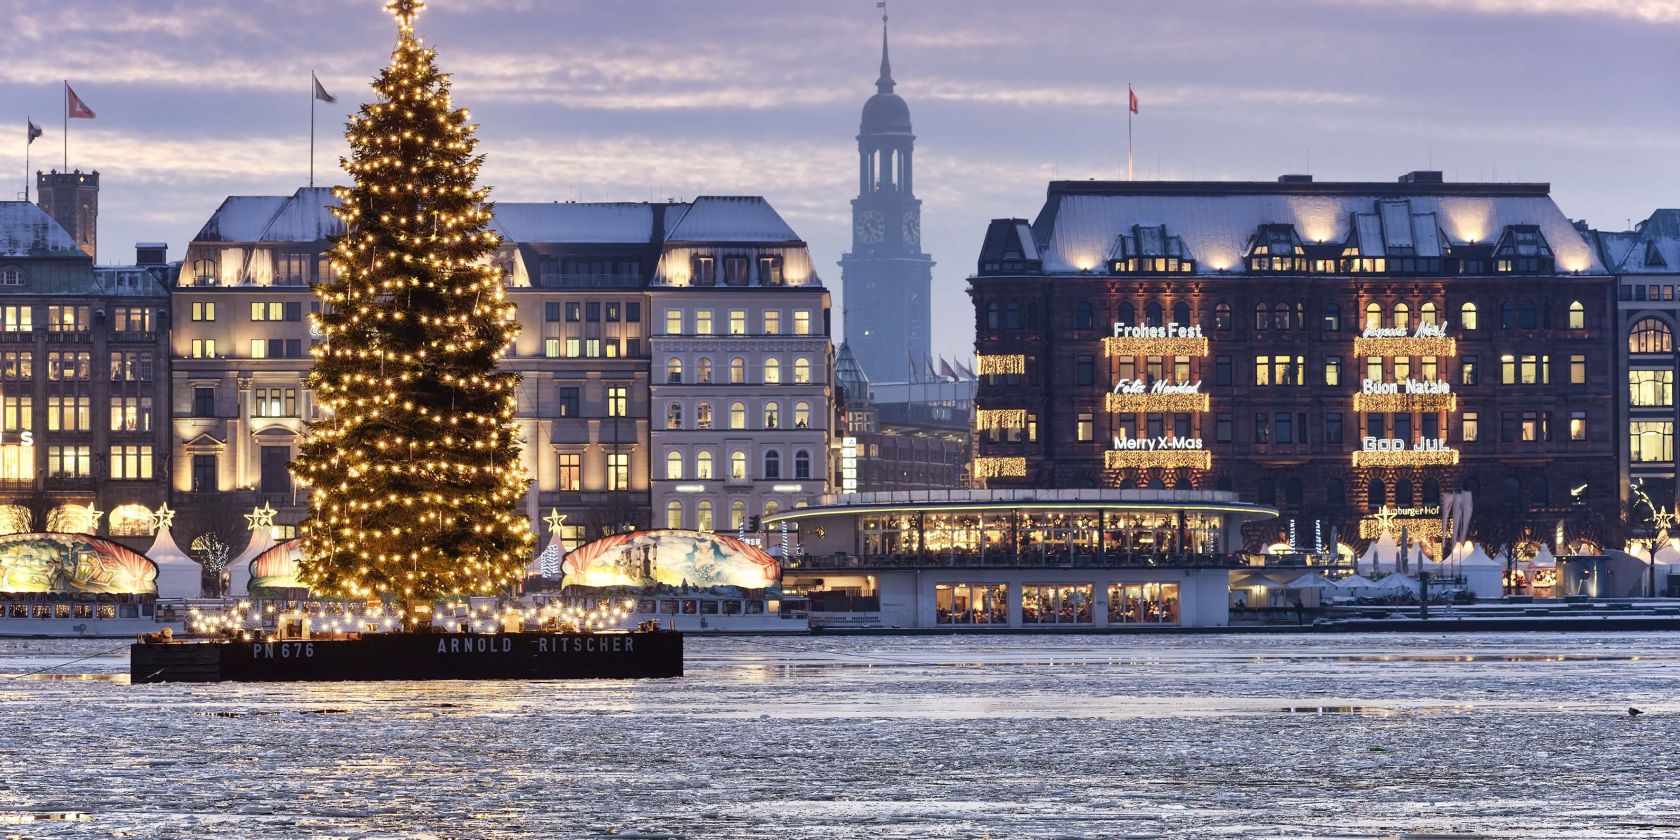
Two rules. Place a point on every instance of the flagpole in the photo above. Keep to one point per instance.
(1128, 131)
(312, 128)
(66, 125)
(28, 126)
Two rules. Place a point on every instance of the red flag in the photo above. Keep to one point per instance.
(1133, 97)
(74, 107)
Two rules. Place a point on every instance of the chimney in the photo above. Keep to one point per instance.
(1422, 176)
(151, 254)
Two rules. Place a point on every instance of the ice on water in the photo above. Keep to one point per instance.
(1518, 736)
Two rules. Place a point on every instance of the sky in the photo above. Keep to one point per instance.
(616, 100)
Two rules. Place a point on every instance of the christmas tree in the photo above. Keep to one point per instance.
(414, 472)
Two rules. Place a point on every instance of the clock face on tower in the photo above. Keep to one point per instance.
(871, 227)
(912, 227)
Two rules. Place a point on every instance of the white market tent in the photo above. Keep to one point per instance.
(1483, 575)
(1397, 583)
(1311, 580)
(1357, 585)
(239, 568)
(179, 576)
(1383, 552)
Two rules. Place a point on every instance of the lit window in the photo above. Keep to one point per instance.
(1577, 315)
(801, 322)
(1471, 428)
(1467, 317)
(673, 322)
(1651, 388)
(1085, 427)
(674, 466)
(1651, 441)
(772, 371)
(802, 370)
(1577, 425)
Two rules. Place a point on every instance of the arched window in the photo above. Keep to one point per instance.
(801, 415)
(673, 416)
(772, 464)
(1403, 493)
(1267, 492)
(772, 371)
(738, 465)
(1280, 316)
(1402, 316)
(1332, 317)
(1577, 315)
(1431, 491)
(737, 371)
(1181, 312)
(1530, 319)
(124, 521)
(1128, 314)
(1538, 495)
(737, 515)
(1427, 314)
(1513, 493)
(801, 370)
(1292, 492)
(1083, 317)
(673, 370)
(1152, 311)
(1012, 316)
(772, 507)
(1467, 316)
(1335, 494)
(801, 464)
(674, 465)
(772, 415)
(673, 514)
(1507, 316)
(1222, 316)
(703, 416)
(992, 315)
(1650, 335)
(703, 516)
(1376, 494)
(737, 415)
(703, 371)
(1373, 315)
(1300, 315)
(703, 465)
(1262, 316)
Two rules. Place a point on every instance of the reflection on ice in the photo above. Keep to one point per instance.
(787, 738)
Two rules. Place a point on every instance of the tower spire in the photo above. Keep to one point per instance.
(885, 83)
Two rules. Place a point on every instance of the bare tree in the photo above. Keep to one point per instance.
(220, 532)
(38, 506)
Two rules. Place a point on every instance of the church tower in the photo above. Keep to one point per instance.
(885, 278)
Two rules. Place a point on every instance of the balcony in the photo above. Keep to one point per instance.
(566, 280)
(68, 336)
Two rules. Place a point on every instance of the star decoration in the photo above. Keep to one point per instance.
(1662, 519)
(262, 517)
(554, 519)
(93, 515)
(163, 517)
(1385, 518)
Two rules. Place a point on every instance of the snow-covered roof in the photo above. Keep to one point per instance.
(27, 231)
(732, 218)
(1082, 222)
(1652, 247)
(303, 216)
(608, 223)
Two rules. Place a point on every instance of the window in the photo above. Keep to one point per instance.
(802, 370)
(1577, 369)
(738, 465)
(203, 473)
(1332, 320)
(673, 416)
(1084, 427)
(772, 371)
(574, 348)
(204, 401)
(204, 348)
(1084, 370)
(1651, 388)
(1222, 428)
(1427, 314)
(1467, 316)
(570, 472)
(1402, 316)
(1262, 428)
(11, 277)
(131, 367)
(703, 416)
(801, 322)
(1374, 426)
(772, 415)
(802, 464)
(1153, 314)
(1083, 316)
(1333, 427)
(673, 371)
(1507, 369)
(1376, 494)
(1221, 370)
(735, 271)
(1283, 428)
(1577, 315)
(674, 466)
(1333, 370)
(618, 401)
(618, 471)
(1279, 370)
(737, 515)
(705, 271)
(772, 464)
(131, 463)
(737, 371)
(702, 322)
(69, 462)
(673, 322)
(17, 412)
(67, 318)
(1651, 441)
(1222, 316)
(1468, 372)
(1650, 336)
(1262, 317)
(1533, 427)
(1070, 604)
(551, 348)
(592, 311)
(633, 311)
(17, 318)
(737, 322)
(274, 402)
(772, 322)
(674, 515)
(1430, 369)
(569, 403)
(1373, 316)
(737, 416)
(703, 515)
(69, 414)
(1577, 425)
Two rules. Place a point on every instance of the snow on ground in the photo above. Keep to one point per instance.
(1389, 736)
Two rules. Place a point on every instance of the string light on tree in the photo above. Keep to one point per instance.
(414, 471)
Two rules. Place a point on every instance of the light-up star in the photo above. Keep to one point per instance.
(1385, 518)
(1662, 519)
(262, 517)
(93, 515)
(554, 519)
(163, 517)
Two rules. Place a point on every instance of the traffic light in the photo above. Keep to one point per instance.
(752, 523)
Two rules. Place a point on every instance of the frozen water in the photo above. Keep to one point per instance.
(1388, 736)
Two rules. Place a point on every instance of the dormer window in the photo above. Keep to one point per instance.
(770, 271)
(1149, 249)
(1523, 250)
(11, 276)
(735, 271)
(705, 271)
(1276, 248)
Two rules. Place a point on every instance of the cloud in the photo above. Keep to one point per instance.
(1649, 11)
